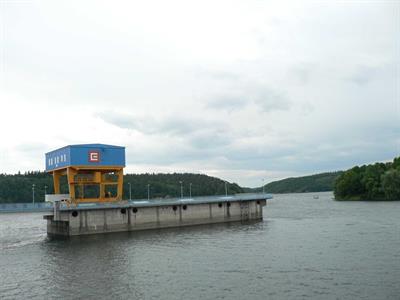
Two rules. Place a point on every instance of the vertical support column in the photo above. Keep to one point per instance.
(102, 187)
(82, 190)
(120, 184)
(71, 184)
(98, 179)
(56, 181)
(56, 210)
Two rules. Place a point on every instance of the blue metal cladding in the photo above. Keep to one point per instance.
(58, 159)
(85, 155)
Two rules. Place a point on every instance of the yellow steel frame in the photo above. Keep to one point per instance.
(98, 178)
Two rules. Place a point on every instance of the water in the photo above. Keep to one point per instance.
(304, 249)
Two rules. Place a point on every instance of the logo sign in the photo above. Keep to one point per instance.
(94, 156)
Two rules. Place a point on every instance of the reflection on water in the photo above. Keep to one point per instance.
(304, 248)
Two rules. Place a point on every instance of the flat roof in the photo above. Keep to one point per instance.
(98, 145)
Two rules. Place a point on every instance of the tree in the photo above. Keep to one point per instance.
(396, 163)
(379, 181)
(348, 185)
(391, 184)
(18, 187)
(372, 181)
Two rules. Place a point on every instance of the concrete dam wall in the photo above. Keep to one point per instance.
(130, 217)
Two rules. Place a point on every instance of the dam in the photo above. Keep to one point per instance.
(94, 203)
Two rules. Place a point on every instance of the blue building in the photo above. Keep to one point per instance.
(85, 155)
(88, 165)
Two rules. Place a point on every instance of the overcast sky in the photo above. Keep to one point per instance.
(241, 90)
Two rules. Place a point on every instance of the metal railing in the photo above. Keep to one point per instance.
(48, 206)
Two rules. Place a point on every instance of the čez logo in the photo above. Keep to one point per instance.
(94, 156)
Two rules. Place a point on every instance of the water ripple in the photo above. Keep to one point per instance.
(305, 249)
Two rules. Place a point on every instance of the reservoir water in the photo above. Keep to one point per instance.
(305, 248)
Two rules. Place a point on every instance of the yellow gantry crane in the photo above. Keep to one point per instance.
(94, 172)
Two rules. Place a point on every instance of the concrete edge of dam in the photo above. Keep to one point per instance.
(154, 214)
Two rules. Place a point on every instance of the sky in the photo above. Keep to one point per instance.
(247, 91)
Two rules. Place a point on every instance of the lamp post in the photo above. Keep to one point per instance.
(148, 191)
(181, 182)
(45, 192)
(130, 191)
(190, 190)
(226, 189)
(33, 193)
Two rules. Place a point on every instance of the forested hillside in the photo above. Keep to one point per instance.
(18, 187)
(380, 181)
(313, 183)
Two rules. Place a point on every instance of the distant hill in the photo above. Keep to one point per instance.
(314, 183)
(18, 187)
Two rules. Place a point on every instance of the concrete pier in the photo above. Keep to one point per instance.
(140, 215)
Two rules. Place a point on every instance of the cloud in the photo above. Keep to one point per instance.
(268, 100)
(364, 74)
(211, 139)
(31, 147)
(228, 103)
(271, 100)
(301, 73)
(221, 75)
(149, 124)
(273, 89)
